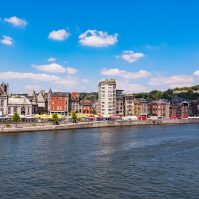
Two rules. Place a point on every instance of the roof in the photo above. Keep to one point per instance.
(18, 100)
(60, 94)
(86, 102)
(1, 91)
(75, 94)
(160, 101)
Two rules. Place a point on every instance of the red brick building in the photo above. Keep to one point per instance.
(179, 108)
(160, 108)
(59, 103)
(86, 106)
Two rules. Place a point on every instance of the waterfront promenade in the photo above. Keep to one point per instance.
(96, 124)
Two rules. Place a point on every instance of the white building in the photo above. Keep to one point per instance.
(3, 98)
(107, 97)
(20, 105)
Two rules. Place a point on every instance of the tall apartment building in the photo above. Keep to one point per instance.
(107, 97)
(3, 98)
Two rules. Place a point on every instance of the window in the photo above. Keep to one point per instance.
(2, 102)
(15, 109)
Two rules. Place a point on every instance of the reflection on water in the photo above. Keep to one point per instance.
(127, 162)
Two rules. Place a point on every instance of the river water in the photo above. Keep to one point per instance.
(127, 162)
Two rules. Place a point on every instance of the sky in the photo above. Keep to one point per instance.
(71, 45)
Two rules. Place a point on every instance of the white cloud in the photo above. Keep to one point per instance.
(94, 38)
(125, 74)
(50, 68)
(55, 68)
(196, 73)
(131, 56)
(70, 70)
(15, 21)
(59, 35)
(39, 77)
(32, 76)
(131, 87)
(7, 40)
(173, 81)
(52, 59)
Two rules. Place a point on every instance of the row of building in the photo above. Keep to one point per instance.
(113, 101)
(110, 102)
(43, 102)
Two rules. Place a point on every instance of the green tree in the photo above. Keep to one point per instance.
(94, 112)
(74, 117)
(16, 117)
(55, 119)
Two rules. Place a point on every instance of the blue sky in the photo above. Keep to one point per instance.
(71, 45)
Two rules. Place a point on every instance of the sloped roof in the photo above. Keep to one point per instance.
(1, 91)
(18, 100)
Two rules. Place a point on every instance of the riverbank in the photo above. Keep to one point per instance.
(83, 125)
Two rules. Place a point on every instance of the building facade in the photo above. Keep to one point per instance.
(59, 103)
(20, 105)
(86, 106)
(3, 98)
(75, 102)
(119, 103)
(107, 97)
(128, 104)
(42, 102)
(160, 108)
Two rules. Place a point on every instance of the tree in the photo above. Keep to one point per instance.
(94, 112)
(16, 117)
(55, 119)
(74, 117)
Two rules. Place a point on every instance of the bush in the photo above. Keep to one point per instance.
(8, 125)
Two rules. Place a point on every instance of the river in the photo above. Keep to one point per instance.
(127, 162)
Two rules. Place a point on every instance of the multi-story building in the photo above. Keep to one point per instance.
(19, 104)
(107, 97)
(119, 103)
(75, 102)
(42, 102)
(95, 106)
(128, 104)
(3, 98)
(193, 108)
(144, 106)
(184, 109)
(179, 108)
(59, 103)
(160, 108)
(198, 106)
(33, 99)
(136, 107)
(86, 106)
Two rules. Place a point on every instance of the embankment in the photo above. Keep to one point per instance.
(84, 125)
